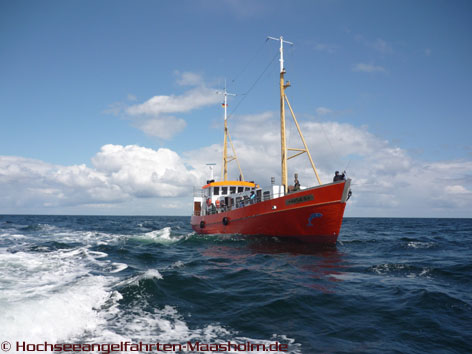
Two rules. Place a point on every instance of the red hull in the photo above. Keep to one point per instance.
(311, 215)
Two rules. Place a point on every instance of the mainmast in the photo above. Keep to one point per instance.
(283, 139)
(226, 158)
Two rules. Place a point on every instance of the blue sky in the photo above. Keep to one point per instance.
(85, 83)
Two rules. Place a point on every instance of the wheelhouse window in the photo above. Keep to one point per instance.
(232, 190)
(224, 190)
(247, 189)
(216, 190)
(240, 189)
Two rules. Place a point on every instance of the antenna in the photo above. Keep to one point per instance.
(225, 104)
(282, 41)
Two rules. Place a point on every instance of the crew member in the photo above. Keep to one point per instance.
(338, 177)
(296, 186)
(252, 197)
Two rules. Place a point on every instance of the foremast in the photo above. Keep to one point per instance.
(226, 158)
(283, 139)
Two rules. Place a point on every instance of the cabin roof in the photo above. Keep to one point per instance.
(230, 183)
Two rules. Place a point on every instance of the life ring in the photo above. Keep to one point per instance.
(217, 203)
(208, 201)
(202, 224)
(225, 221)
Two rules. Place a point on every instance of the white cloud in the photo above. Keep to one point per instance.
(164, 127)
(157, 115)
(120, 174)
(368, 68)
(456, 189)
(321, 111)
(143, 172)
(153, 116)
(188, 78)
(190, 100)
(387, 181)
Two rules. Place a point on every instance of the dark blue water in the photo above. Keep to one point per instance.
(389, 286)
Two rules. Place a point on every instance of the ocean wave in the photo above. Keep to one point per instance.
(50, 296)
(136, 279)
(419, 244)
(166, 325)
(163, 236)
(401, 269)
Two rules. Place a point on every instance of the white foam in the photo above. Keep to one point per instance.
(56, 297)
(118, 267)
(152, 273)
(96, 254)
(57, 316)
(134, 280)
(15, 236)
(166, 325)
(418, 244)
(177, 264)
(162, 236)
(50, 296)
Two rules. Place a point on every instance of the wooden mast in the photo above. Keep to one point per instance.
(226, 158)
(225, 144)
(283, 139)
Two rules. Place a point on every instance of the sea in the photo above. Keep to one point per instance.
(150, 284)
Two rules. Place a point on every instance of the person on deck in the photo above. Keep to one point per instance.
(338, 177)
(296, 187)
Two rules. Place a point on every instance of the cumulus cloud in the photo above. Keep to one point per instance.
(187, 78)
(163, 127)
(190, 100)
(143, 172)
(387, 180)
(157, 115)
(119, 174)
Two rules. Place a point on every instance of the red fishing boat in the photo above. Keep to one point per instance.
(310, 214)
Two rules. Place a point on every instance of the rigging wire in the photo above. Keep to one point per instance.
(244, 95)
(249, 62)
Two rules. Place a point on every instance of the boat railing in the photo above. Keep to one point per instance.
(242, 200)
(236, 201)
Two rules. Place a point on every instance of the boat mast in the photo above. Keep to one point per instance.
(283, 86)
(226, 158)
(283, 98)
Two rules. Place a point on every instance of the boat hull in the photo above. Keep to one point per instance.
(312, 215)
